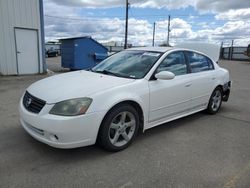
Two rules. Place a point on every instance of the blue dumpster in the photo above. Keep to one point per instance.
(81, 53)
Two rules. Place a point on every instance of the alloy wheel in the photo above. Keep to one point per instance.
(216, 100)
(122, 128)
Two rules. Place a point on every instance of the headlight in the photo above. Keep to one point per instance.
(72, 107)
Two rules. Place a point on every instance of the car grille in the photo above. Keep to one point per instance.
(32, 103)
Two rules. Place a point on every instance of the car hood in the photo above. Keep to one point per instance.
(74, 85)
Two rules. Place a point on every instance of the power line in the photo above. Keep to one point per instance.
(108, 20)
(104, 20)
(164, 16)
(120, 23)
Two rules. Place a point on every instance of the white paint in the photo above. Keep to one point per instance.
(27, 51)
(152, 49)
(161, 100)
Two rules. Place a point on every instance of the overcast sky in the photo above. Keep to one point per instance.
(211, 21)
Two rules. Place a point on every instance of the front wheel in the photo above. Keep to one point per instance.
(119, 128)
(215, 101)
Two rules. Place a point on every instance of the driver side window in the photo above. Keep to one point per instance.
(175, 63)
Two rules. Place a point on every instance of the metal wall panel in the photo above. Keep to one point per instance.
(16, 14)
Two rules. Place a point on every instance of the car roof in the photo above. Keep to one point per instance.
(210, 50)
(152, 49)
(161, 49)
(166, 49)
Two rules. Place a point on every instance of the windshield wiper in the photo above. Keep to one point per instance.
(111, 73)
(107, 72)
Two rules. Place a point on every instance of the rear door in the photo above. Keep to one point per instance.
(203, 77)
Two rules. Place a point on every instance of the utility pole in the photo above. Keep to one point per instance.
(168, 30)
(126, 26)
(153, 44)
(232, 44)
(221, 51)
(221, 44)
(232, 50)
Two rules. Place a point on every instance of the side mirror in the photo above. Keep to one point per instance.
(165, 75)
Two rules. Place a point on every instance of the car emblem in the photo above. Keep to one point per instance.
(28, 102)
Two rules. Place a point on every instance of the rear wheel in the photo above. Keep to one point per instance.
(215, 101)
(119, 128)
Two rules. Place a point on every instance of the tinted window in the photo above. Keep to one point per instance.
(175, 63)
(199, 63)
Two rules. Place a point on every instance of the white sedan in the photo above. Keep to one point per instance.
(130, 91)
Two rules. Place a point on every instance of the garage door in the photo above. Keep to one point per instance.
(27, 51)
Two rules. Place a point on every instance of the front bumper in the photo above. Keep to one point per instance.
(60, 131)
(226, 90)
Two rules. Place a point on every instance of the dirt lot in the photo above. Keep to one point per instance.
(197, 151)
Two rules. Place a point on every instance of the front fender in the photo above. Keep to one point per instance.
(136, 92)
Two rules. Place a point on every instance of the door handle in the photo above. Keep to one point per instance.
(18, 52)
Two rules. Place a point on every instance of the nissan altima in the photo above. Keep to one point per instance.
(130, 91)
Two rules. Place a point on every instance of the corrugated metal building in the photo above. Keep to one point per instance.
(21, 37)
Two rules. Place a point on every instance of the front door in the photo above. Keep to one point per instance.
(170, 98)
(27, 51)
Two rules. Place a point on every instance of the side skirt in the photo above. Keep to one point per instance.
(165, 120)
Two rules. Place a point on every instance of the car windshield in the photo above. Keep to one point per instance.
(129, 64)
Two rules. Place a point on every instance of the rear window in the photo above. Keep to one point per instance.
(199, 63)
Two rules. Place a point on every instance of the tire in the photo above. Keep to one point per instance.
(215, 101)
(119, 128)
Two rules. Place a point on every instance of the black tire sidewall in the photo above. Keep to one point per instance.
(103, 137)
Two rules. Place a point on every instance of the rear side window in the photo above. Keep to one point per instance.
(199, 63)
(175, 63)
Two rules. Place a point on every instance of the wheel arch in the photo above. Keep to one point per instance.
(219, 86)
(209, 108)
(135, 105)
(218, 83)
